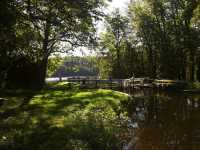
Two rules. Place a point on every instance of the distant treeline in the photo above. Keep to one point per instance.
(76, 66)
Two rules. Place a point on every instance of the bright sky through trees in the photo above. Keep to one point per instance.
(122, 5)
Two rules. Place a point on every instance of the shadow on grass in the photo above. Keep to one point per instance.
(14, 104)
(63, 120)
(56, 101)
(80, 134)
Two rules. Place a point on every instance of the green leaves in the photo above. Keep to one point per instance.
(112, 41)
(35, 29)
(165, 29)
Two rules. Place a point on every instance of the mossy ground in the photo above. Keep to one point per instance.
(61, 118)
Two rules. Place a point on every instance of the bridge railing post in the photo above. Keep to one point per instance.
(111, 83)
(96, 83)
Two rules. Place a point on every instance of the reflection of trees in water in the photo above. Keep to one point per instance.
(166, 122)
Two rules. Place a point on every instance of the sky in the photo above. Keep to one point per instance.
(122, 5)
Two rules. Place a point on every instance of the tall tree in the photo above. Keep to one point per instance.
(35, 29)
(59, 21)
(169, 36)
(113, 40)
(7, 36)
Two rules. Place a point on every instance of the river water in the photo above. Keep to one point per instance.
(163, 120)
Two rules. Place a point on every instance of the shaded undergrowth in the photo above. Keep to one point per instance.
(62, 119)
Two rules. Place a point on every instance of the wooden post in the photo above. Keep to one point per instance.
(60, 79)
(111, 83)
(96, 83)
(121, 84)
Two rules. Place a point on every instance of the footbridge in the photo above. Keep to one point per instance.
(92, 82)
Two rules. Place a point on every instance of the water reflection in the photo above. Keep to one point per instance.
(164, 121)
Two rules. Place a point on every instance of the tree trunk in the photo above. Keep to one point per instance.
(43, 63)
(198, 71)
(193, 66)
(118, 73)
(42, 72)
(151, 61)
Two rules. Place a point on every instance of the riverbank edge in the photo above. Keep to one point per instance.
(192, 87)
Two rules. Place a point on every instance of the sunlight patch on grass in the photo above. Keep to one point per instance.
(61, 118)
(60, 106)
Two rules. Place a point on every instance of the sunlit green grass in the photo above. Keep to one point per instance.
(63, 120)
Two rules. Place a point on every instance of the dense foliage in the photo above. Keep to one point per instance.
(32, 30)
(160, 40)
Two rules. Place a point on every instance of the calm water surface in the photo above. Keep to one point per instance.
(163, 120)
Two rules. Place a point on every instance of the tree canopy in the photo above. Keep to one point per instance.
(162, 40)
(159, 39)
(38, 28)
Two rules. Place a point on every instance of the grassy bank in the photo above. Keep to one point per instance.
(62, 119)
(193, 85)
